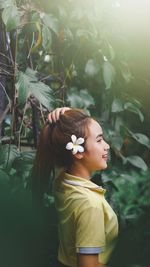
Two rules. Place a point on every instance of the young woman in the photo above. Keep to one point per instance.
(88, 226)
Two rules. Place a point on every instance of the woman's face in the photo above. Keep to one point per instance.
(96, 153)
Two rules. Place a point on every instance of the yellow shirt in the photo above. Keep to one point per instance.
(87, 223)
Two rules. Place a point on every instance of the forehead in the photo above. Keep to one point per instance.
(94, 129)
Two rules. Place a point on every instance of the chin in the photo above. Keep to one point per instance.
(104, 167)
(101, 168)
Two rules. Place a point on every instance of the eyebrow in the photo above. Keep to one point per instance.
(99, 135)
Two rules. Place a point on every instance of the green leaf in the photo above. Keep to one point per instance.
(4, 178)
(126, 73)
(141, 138)
(22, 90)
(111, 51)
(8, 153)
(91, 68)
(84, 34)
(28, 84)
(35, 17)
(128, 177)
(68, 34)
(136, 103)
(11, 17)
(80, 99)
(74, 98)
(5, 3)
(87, 98)
(24, 162)
(133, 108)
(48, 200)
(32, 74)
(50, 21)
(117, 105)
(46, 36)
(118, 123)
(108, 74)
(136, 161)
(117, 142)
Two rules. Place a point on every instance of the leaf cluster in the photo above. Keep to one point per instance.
(71, 57)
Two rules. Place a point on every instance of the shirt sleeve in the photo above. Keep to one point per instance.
(90, 231)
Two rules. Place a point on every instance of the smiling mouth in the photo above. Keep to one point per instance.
(105, 157)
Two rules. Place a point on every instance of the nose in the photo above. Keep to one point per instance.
(107, 146)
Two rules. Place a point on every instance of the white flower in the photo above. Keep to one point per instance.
(47, 58)
(75, 144)
(105, 58)
(40, 52)
(42, 15)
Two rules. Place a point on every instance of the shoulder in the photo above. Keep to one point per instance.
(82, 199)
(77, 195)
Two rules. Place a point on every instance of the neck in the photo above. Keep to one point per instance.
(79, 170)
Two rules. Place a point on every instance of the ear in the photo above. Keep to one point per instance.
(78, 155)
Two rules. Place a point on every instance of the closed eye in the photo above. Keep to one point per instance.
(99, 140)
(99, 137)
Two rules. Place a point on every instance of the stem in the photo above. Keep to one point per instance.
(14, 89)
(19, 132)
(41, 110)
(3, 60)
(34, 123)
(31, 46)
(9, 101)
(2, 116)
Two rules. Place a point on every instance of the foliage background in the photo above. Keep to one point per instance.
(88, 54)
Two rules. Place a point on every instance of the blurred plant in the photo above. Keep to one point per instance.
(57, 53)
(15, 167)
(71, 56)
(131, 191)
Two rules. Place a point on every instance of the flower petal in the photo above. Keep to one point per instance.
(80, 149)
(69, 146)
(75, 150)
(73, 138)
(80, 141)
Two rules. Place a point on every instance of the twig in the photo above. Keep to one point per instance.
(41, 110)
(4, 55)
(8, 73)
(31, 46)
(14, 88)
(5, 92)
(19, 132)
(6, 65)
(9, 49)
(2, 117)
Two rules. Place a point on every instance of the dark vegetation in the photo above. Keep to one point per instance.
(87, 54)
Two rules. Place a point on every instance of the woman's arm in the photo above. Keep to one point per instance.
(84, 260)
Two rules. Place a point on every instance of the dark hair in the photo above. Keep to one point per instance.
(52, 152)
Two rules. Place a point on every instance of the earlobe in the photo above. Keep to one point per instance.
(78, 155)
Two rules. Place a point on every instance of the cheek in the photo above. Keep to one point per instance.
(98, 149)
(93, 150)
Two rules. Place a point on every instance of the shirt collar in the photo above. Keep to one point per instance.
(78, 181)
